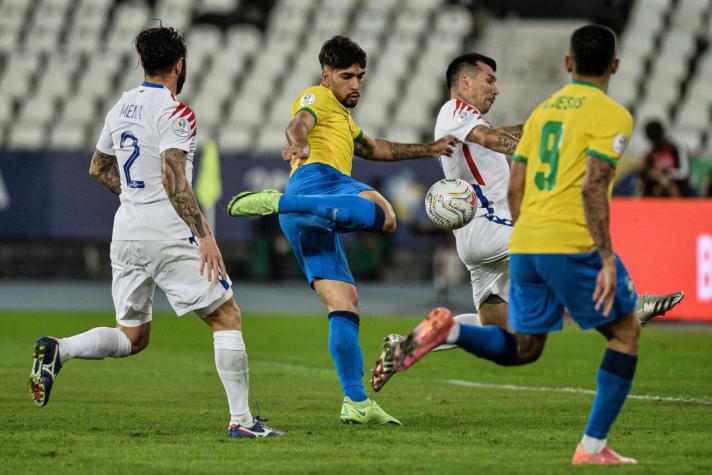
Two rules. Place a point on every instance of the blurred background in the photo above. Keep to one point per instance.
(63, 64)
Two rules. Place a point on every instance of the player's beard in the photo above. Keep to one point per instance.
(351, 105)
(181, 79)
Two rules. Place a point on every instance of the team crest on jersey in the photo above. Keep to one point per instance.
(620, 142)
(465, 115)
(307, 99)
(181, 127)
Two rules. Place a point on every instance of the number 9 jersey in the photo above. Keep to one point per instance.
(145, 122)
(577, 122)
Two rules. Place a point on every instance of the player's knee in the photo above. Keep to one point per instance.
(139, 342)
(529, 348)
(226, 317)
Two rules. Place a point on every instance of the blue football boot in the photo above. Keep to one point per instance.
(45, 368)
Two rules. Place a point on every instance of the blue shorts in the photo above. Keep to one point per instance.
(542, 285)
(315, 241)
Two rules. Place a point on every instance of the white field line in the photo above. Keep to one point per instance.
(504, 387)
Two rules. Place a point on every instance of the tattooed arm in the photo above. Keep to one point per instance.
(180, 193)
(515, 131)
(105, 169)
(596, 182)
(497, 140)
(384, 150)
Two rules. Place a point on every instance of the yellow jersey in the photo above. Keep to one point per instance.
(578, 121)
(331, 140)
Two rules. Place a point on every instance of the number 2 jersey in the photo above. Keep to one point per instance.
(576, 122)
(145, 122)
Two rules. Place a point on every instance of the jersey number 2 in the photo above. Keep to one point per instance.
(128, 136)
(549, 154)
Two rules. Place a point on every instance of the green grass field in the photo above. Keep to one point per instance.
(164, 411)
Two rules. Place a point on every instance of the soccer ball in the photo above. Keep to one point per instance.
(450, 203)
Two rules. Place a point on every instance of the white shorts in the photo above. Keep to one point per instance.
(138, 266)
(483, 246)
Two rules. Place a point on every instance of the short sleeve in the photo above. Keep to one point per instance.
(461, 121)
(315, 101)
(610, 133)
(105, 144)
(524, 147)
(176, 127)
(356, 132)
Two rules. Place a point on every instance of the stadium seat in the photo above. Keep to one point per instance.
(38, 109)
(68, 136)
(27, 135)
(235, 139)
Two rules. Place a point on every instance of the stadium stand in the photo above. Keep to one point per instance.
(63, 62)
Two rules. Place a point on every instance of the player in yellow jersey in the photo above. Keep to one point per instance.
(561, 253)
(322, 200)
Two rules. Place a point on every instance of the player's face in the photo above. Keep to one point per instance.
(480, 90)
(181, 76)
(344, 83)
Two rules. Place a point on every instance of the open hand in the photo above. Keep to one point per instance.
(605, 292)
(296, 154)
(444, 146)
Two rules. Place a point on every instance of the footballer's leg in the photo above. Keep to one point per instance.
(341, 301)
(384, 368)
(232, 368)
(615, 378)
(98, 343)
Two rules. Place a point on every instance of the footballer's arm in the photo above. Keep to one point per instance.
(502, 140)
(596, 181)
(180, 193)
(515, 193)
(384, 150)
(105, 169)
(297, 130)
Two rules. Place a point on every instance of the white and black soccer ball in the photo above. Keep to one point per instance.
(451, 203)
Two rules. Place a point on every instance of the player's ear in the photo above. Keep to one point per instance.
(569, 63)
(614, 66)
(325, 77)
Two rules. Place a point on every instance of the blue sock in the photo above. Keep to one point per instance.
(349, 212)
(489, 342)
(615, 377)
(346, 353)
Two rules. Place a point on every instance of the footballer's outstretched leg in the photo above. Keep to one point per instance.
(430, 333)
(650, 306)
(45, 368)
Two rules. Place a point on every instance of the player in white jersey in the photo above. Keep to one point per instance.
(160, 237)
(483, 244)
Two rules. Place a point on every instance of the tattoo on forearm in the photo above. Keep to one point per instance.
(595, 204)
(401, 151)
(513, 130)
(180, 193)
(105, 169)
(505, 143)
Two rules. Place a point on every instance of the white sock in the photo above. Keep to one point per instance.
(592, 444)
(466, 318)
(95, 344)
(231, 363)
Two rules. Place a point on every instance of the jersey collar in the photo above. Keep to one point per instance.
(584, 83)
(152, 84)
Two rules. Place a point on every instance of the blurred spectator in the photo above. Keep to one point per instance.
(665, 170)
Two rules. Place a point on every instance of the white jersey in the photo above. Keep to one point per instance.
(487, 171)
(146, 121)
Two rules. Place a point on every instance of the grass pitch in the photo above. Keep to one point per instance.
(164, 410)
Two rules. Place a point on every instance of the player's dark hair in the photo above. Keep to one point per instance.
(160, 48)
(341, 52)
(455, 68)
(593, 48)
(654, 130)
